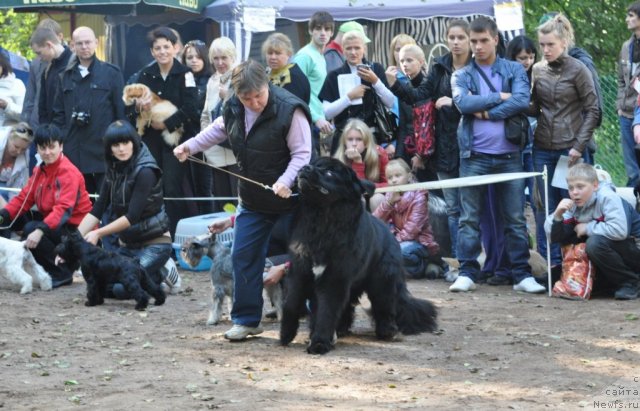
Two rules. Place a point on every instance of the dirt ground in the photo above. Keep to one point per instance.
(496, 349)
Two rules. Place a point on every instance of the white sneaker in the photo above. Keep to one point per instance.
(240, 332)
(529, 285)
(172, 281)
(462, 283)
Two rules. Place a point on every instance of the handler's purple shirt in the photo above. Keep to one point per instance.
(298, 141)
(488, 136)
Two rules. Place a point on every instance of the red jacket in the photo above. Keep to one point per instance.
(410, 219)
(57, 190)
(383, 159)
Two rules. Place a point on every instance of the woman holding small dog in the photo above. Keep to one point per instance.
(57, 190)
(172, 81)
(270, 133)
(133, 189)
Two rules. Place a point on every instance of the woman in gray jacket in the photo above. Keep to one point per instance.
(564, 100)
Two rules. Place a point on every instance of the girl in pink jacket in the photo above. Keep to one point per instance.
(408, 216)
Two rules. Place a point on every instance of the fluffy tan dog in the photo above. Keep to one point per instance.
(160, 110)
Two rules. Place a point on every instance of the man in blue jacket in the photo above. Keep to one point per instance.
(484, 149)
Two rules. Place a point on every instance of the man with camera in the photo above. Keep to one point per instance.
(89, 99)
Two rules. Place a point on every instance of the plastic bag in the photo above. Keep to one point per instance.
(578, 273)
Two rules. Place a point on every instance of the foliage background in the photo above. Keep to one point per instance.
(15, 30)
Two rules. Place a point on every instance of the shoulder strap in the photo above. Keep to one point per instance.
(484, 77)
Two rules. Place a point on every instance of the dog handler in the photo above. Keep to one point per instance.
(57, 190)
(133, 188)
(270, 134)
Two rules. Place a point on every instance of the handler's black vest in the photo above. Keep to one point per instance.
(153, 218)
(263, 155)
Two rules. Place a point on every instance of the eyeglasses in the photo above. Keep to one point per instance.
(23, 130)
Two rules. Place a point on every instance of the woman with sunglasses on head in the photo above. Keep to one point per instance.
(194, 56)
(14, 169)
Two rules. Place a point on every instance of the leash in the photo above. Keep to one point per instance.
(204, 163)
(266, 187)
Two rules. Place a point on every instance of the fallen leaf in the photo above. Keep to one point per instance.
(392, 386)
(75, 399)
(630, 317)
(35, 355)
(44, 374)
(147, 345)
(71, 382)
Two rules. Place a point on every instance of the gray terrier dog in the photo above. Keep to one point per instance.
(221, 273)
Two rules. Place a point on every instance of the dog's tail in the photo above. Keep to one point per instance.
(413, 315)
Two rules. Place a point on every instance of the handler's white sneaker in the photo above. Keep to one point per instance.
(240, 332)
(529, 285)
(462, 283)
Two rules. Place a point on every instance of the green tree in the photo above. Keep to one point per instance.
(15, 30)
(599, 25)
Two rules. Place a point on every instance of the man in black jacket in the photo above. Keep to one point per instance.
(48, 46)
(89, 99)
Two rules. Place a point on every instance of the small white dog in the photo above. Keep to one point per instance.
(19, 267)
(160, 110)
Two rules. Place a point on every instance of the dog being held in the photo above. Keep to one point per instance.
(221, 273)
(160, 111)
(339, 252)
(101, 267)
(19, 267)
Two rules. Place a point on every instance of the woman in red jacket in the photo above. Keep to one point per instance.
(57, 190)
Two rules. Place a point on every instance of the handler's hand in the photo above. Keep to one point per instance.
(33, 239)
(444, 101)
(181, 152)
(281, 190)
(274, 275)
(219, 226)
(417, 163)
(59, 260)
(324, 126)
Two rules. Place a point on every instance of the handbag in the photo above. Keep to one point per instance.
(516, 127)
(422, 142)
(385, 122)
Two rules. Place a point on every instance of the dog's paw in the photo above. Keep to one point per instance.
(90, 303)
(319, 347)
(26, 289)
(159, 300)
(141, 304)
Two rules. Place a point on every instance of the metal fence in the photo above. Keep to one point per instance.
(609, 153)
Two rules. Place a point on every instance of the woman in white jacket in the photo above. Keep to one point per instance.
(14, 158)
(222, 54)
(12, 93)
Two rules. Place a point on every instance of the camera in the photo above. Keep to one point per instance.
(80, 118)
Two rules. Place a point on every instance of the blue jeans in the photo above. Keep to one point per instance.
(251, 240)
(452, 198)
(492, 237)
(151, 257)
(414, 258)
(629, 152)
(509, 196)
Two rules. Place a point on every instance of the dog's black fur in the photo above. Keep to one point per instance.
(359, 253)
(101, 267)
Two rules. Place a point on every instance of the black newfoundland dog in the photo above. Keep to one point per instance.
(340, 251)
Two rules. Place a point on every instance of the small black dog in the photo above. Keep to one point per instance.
(101, 267)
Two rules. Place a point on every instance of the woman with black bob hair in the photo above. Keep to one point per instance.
(132, 189)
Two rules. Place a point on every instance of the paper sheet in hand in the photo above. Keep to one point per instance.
(560, 174)
(346, 83)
